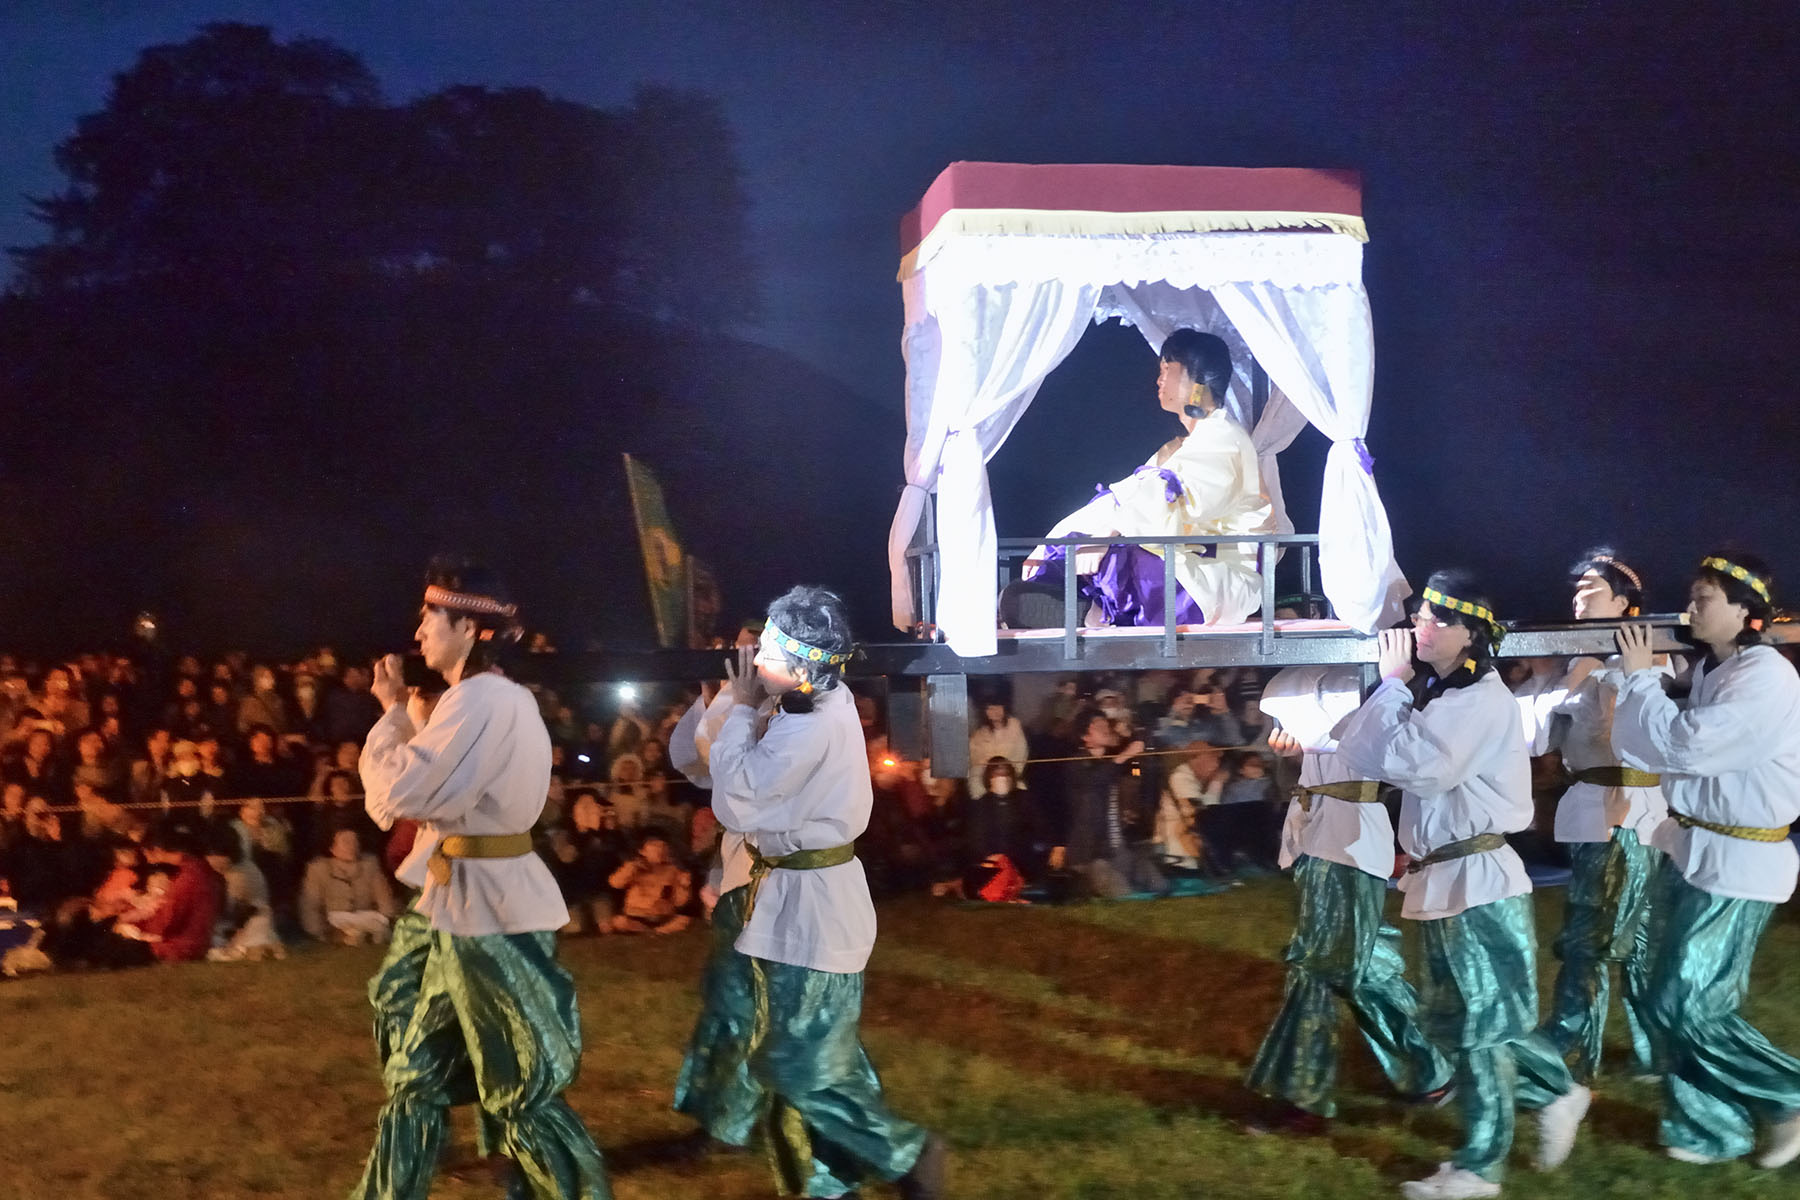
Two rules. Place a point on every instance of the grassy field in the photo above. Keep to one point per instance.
(1085, 1052)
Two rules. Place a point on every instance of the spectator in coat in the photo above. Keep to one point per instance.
(998, 736)
(345, 897)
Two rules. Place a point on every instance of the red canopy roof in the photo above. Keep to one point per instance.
(1111, 188)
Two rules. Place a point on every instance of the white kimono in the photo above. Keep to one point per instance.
(1729, 754)
(803, 784)
(481, 765)
(1578, 724)
(1308, 703)
(1221, 492)
(690, 749)
(1462, 770)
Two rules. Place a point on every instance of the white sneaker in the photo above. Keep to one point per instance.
(1692, 1156)
(1450, 1183)
(1784, 1144)
(1557, 1123)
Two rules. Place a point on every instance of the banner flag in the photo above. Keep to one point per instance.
(665, 564)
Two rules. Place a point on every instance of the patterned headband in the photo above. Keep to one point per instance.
(800, 649)
(1630, 575)
(1738, 573)
(468, 602)
(1480, 612)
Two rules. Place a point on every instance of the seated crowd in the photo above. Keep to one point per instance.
(164, 811)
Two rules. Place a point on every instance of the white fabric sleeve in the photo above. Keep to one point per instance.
(1538, 715)
(684, 749)
(1422, 752)
(405, 772)
(1732, 732)
(756, 780)
(1139, 505)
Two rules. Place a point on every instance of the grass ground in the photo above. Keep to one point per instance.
(1088, 1052)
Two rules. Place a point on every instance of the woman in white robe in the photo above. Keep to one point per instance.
(798, 790)
(1729, 757)
(1203, 484)
(1449, 740)
(1605, 820)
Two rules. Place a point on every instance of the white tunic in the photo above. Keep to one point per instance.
(1578, 723)
(1462, 770)
(481, 765)
(1308, 703)
(1729, 754)
(802, 785)
(690, 747)
(1221, 492)
(1536, 697)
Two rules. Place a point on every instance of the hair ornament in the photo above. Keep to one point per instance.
(1724, 567)
(1630, 575)
(1480, 612)
(468, 602)
(800, 649)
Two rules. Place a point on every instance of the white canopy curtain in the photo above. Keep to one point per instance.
(1319, 345)
(989, 315)
(973, 365)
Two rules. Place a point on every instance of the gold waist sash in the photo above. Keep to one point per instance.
(1355, 791)
(1481, 843)
(1617, 777)
(1748, 833)
(475, 845)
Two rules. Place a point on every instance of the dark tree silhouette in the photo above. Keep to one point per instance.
(228, 153)
(233, 159)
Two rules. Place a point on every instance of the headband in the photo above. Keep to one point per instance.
(1480, 612)
(1630, 575)
(800, 649)
(1736, 572)
(468, 602)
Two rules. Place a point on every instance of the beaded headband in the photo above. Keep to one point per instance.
(1738, 573)
(1630, 575)
(800, 649)
(1480, 612)
(468, 602)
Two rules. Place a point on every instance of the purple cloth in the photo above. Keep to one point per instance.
(1172, 489)
(1128, 587)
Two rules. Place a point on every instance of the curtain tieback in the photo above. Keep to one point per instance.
(1748, 833)
(799, 860)
(1363, 458)
(1481, 843)
(1355, 791)
(1613, 777)
(475, 845)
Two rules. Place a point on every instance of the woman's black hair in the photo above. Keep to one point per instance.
(816, 616)
(169, 837)
(1204, 356)
(1758, 611)
(496, 635)
(998, 765)
(1622, 578)
(1460, 585)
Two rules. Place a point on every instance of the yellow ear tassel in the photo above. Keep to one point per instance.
(1469, 663)
(805, 688)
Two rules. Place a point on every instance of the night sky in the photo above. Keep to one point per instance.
(1583, 237)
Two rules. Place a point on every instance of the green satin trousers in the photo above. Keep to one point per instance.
(1343, 952)
(1479, 1004)
(715, 1086)
(491, 1019)
(827, 1125)
(1606, 922)
(1720, 1074)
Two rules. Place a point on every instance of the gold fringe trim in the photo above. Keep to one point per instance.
(1080, 223)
